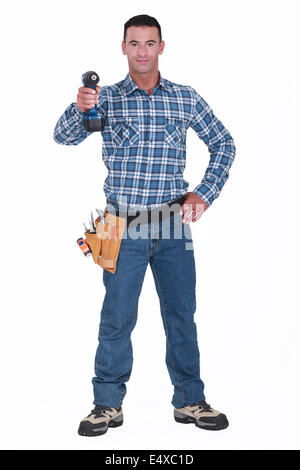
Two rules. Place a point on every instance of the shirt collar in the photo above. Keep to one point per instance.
(129, 85)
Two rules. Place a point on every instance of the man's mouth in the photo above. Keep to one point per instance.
(142, 60)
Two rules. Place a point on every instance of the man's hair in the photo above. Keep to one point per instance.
(142, 20)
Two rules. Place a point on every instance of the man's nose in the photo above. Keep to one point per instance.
(142, 50)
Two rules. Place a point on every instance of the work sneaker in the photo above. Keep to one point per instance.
(100, 419)
(202, 415)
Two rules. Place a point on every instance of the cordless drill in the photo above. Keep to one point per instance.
(92, 122)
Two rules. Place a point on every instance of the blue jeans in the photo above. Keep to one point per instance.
(173, 266)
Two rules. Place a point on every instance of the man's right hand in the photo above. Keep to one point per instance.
(87, 98)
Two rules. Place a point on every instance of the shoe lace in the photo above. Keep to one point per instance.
(201, 406)
(101, 410)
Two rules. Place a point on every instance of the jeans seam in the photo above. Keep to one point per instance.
(132, 321)
(133, 316)
(168, 336)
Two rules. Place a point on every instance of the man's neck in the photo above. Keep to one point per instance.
(146, 82)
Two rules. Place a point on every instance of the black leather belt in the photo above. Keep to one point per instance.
(156, 214)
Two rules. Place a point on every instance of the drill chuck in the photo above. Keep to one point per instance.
(90, 79)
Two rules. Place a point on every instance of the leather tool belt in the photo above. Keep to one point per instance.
(106, 242)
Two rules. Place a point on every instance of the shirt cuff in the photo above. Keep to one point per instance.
(77, 114)
(201, 193)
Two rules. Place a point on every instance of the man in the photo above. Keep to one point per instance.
(146, 119)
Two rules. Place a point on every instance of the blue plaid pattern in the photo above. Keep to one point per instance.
(144, 141)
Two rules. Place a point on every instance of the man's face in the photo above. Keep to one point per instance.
(142, 48)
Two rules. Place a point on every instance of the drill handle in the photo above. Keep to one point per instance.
(92, 122)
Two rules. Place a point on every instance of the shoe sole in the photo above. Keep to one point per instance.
(222, 424)
(93, 430)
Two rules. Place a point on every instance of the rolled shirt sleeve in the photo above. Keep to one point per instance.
(220, 145)
(69, 129)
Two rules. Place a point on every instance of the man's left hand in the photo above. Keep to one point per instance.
(192, 208)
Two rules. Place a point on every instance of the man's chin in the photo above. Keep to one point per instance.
(141, 72)
(143, 68)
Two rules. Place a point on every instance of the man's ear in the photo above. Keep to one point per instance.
(161, 47)
(123, 48)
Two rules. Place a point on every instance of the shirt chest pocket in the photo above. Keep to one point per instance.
(174, 133)
(124, 131)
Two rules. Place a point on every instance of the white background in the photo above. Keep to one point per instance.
(241, 56)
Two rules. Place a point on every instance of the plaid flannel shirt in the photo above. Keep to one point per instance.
(144, 141)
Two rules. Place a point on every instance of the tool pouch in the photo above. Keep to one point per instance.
(105, 243)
